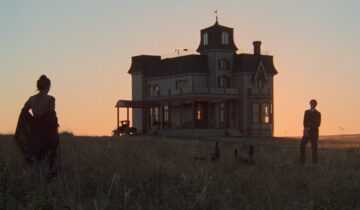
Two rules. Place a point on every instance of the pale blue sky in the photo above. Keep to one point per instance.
(86, 46)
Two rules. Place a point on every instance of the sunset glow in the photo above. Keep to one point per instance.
(85, 48)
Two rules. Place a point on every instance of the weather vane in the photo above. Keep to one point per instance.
(216, 15)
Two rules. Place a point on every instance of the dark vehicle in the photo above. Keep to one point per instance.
(124, 129)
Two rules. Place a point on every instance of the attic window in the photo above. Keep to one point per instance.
(225, 38)
(205, 39)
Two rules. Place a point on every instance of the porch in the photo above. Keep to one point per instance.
(181, 115)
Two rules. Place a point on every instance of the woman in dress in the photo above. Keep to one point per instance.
(37, 130)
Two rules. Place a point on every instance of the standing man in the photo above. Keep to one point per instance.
(312, 121)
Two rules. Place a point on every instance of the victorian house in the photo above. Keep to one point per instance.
(215, 92)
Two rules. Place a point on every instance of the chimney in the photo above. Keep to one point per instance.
(257, 47)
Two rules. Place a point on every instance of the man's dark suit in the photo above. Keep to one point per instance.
(312, 121)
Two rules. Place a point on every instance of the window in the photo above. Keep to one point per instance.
(154, 116)
(205, 39)
(156, 90)
(222, 114)
(223, 82)
(166, 114)
(260, 77)
(265, 113)
(224, 64)
(199, 114)
(180, 84)
(255, 113)
(225, 38)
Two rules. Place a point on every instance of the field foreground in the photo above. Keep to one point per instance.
(161, 173)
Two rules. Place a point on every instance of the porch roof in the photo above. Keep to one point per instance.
(157, 100)
(134, 103)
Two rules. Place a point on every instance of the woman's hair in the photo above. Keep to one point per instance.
(43, 83)
(313, 102)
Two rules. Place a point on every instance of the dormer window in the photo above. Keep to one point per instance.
(205, 39)
(225, 38)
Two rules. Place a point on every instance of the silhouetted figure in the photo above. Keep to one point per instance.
(37, 129)
(216, 155)
(312, 121)
(236, 154)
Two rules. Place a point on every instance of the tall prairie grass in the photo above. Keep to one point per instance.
(104, 173)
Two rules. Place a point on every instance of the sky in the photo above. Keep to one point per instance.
(85, 47)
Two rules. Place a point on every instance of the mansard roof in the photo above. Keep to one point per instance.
(214, 38)
(250, 63)
(153, 66)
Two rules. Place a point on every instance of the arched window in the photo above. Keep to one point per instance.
(205, 39)
(260, 77)
(225, 38)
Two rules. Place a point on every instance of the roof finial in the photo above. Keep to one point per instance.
(217, 17)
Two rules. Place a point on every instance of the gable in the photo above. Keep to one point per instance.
(250, 63)
(261, 72)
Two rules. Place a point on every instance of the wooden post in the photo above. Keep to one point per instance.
(127, 114)
(117, 120)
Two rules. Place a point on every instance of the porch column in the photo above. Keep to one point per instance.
(193, 107)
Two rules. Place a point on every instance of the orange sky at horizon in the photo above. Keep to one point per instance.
(88, 67)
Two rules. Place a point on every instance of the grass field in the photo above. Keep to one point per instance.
(157, 173)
